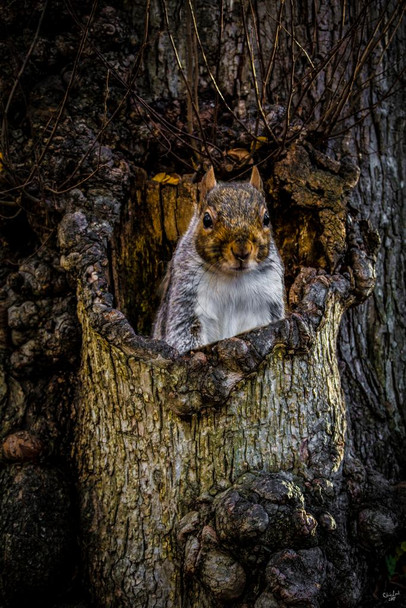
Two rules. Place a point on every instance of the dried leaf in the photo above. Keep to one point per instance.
(173, 179)
(159, 177)
(166, 178)
(258, 142)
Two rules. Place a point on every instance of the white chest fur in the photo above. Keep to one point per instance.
(230, 305)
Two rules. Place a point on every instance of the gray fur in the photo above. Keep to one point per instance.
(201, 306)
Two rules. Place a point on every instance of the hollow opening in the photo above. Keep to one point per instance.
(151, 224)
(156, 216)
(297, 233)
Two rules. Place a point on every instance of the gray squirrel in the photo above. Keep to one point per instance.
(226, 275)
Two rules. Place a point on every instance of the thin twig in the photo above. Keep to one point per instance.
(254, 74)
(68, 88)
(216, 103)
(361, 60)
(271, 62)
(213, 80)
(291, 80)
(22, 70)
(185, 80)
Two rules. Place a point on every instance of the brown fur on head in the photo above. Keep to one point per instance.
(233, 234)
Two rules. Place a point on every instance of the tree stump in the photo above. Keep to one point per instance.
(168, 446)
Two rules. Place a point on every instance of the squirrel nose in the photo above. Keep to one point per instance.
(241, 251)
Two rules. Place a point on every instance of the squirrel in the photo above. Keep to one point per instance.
(226, 275)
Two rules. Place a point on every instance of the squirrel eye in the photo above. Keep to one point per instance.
(207, 220)
(266, 220)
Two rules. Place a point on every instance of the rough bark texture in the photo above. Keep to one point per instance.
(186, 428)
(262, 471)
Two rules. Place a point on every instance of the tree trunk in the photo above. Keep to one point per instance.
(159, 436)
(261, 471)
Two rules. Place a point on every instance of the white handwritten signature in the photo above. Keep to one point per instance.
(390, 596)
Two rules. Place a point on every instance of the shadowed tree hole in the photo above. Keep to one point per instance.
(157, 215)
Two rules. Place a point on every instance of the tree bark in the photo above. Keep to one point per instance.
(157, 434)
(261, 471)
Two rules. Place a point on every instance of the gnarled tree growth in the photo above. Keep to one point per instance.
(173, 433)
(264, 470)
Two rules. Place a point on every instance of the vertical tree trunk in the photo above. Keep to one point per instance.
(260, 471)
(158, 435)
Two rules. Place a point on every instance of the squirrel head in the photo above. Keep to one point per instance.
(233, 234)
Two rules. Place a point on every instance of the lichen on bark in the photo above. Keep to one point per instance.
(94, 106)
(156, 431)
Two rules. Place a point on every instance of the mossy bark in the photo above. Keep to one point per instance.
(94, 103)
(141, 466)
(155, 431)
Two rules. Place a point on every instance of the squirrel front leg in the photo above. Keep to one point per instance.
(177, 322)
(277, 310)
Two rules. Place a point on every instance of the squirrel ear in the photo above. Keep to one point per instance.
(256, 180)
(208, 182)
